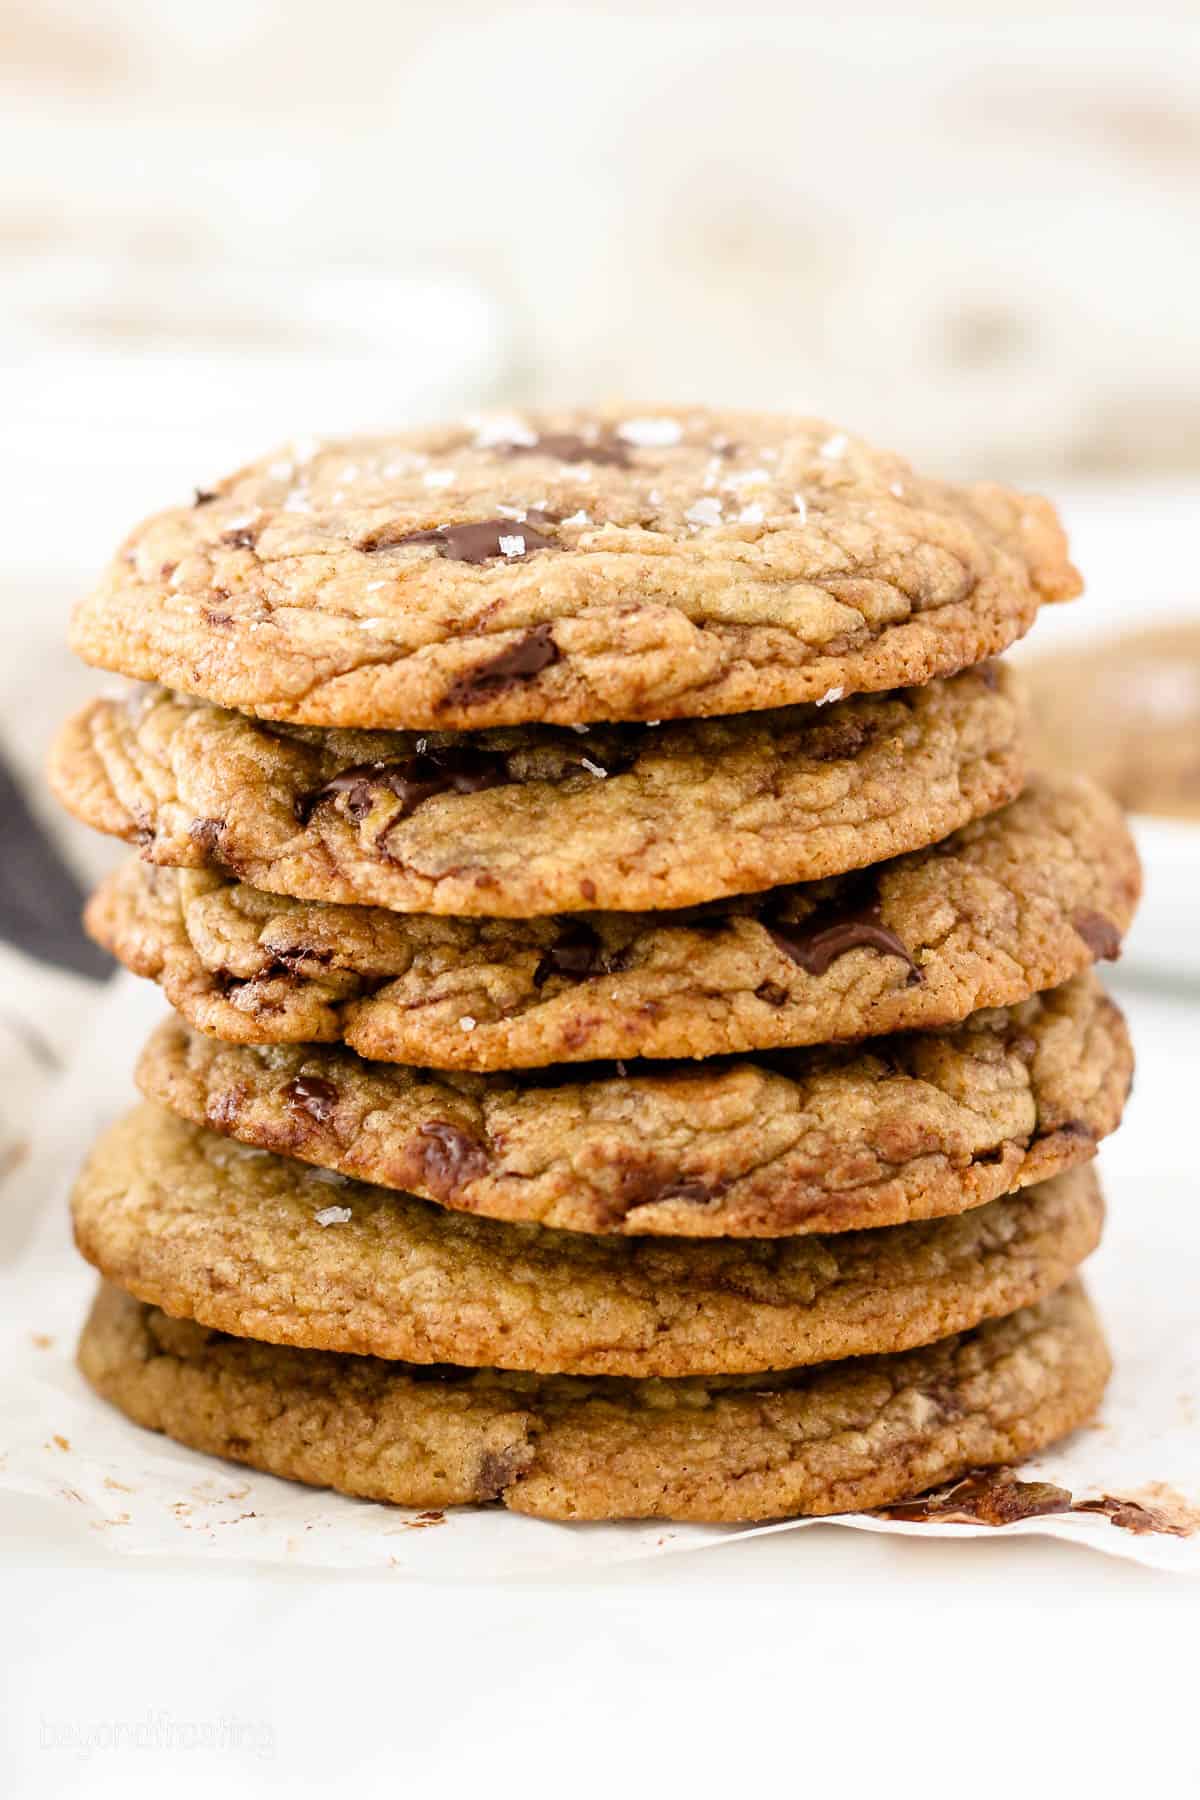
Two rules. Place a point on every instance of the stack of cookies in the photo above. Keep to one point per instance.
(636, 1050)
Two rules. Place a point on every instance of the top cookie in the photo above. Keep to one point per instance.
(572, 567)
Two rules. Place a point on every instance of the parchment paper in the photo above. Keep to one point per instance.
(110, 1485)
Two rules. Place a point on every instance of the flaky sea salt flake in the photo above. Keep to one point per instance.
(704, 512)
(333, 1215)
(512, 546)
(834, 446)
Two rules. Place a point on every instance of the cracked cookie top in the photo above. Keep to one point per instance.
(524, 821)
(1012, 904)
(570, 568)
(845, 1435)
(832, 1138)
(265, 1247)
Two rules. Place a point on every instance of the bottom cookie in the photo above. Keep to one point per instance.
(837, 1438)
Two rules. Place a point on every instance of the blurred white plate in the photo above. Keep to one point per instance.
(1165, 937)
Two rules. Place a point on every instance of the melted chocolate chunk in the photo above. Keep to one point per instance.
(206, 833)
(313, 1095)
(443, 769)
(243, 539)
(523, 660)
(292, 959)
(838, 739)
(447, 1157)
(615, 753)
(648, 1187)
(986, 1498)
(569, 447)
(577, 952)
(819, 940)
(497, 1468)
(477, 541)
(1131, 1515)
(1099, 934)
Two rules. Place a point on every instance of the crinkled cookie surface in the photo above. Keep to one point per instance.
(834, 1438)
(571, 568)
(824, 1139)
(523, 822)
(1011, 905)
(265, 1247)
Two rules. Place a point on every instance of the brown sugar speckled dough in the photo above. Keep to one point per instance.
(525, 822)
(265, 1248)
(825, 1139)
(835, 1438)
(571, 568)
(1007, 907)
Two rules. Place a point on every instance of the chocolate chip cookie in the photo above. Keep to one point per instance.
(1127, 712)
(263, 1247)
(1008, 906)
(523, 822)
(826, 1139)
(569, 568)
(834, 1438)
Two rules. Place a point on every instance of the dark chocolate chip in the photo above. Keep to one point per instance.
(497, 1468)
(569, 447)
(313, 1095)
(1099, 934)
(523, 660)
(206, 834)
(818, 941)
(244, 538)
(477, 541)
(577, 952)
(448, 1158)
(204, 496)
(444, 769)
